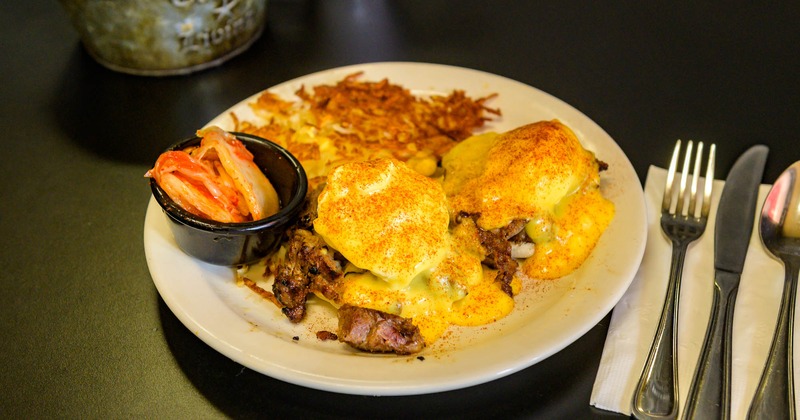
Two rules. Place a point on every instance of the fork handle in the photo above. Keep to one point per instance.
(656, 395)
(710, 392)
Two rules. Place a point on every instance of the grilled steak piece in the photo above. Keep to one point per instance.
(309, 266)
(498, 249)
(498, 256)
(514, 228)
(377, 331)
(326, 335)
(309, 212)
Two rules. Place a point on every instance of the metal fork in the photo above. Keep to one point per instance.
(656, 395)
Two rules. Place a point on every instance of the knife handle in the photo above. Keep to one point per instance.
(710, 393)
(774, 398)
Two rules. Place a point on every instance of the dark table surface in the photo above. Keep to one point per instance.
(84, 331)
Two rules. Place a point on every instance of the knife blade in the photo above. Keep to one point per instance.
(709, 394)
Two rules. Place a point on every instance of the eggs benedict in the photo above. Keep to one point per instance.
(404, 256)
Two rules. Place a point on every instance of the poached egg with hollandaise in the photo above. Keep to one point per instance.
(539, 173)
(392, 225)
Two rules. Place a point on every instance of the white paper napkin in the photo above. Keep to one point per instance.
(635, 317)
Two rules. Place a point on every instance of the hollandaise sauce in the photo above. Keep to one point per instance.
(431, 306)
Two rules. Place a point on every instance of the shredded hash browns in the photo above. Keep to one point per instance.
(354, 120)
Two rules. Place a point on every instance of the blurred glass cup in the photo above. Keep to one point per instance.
(166, 37)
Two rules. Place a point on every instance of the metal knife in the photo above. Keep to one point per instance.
(710, 392)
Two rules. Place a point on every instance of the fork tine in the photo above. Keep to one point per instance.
(687, 160)
(666, 203)
(693, 207)
(709, 180)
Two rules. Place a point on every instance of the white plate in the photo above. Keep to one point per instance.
(548, 317)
